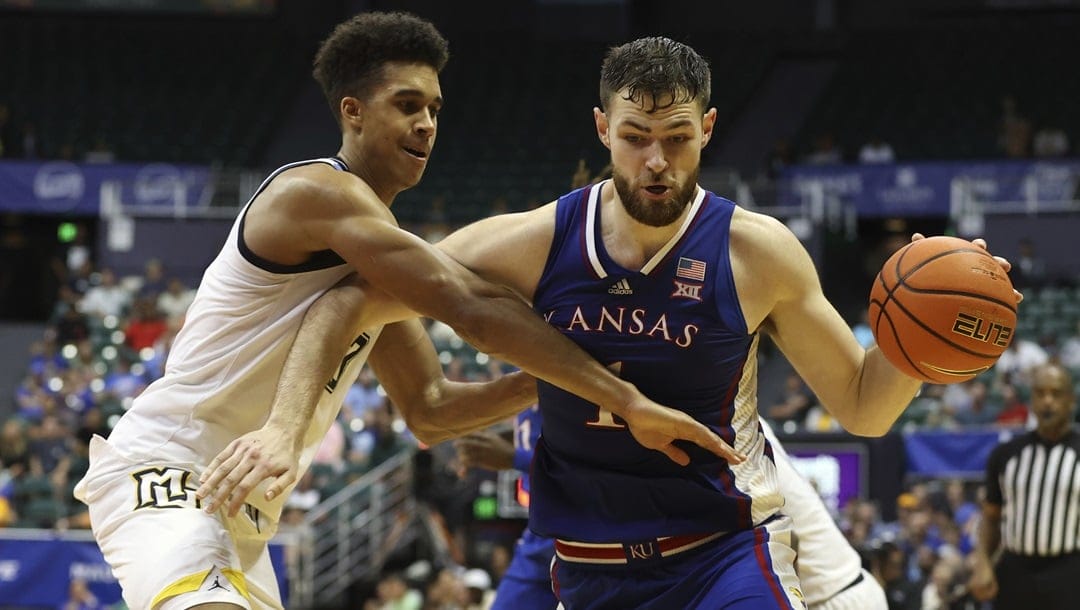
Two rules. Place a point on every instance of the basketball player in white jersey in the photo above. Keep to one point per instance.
(307, 227)
(830, 570)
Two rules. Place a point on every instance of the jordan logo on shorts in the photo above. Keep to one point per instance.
(217, 584)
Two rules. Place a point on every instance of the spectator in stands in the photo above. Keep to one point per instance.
(153, 281)
(70, 324)
(478, 588)
(105, 298)
(1017, 361)
(176, 299)
(362, 397)
(1029, 270)
(1050, 141)
(50, 446)
(30, 148)
(1069, 354)
(793, 404)
(122, 383)
(6, 140)
(779, 157)
(100, 152)
(1014, 130)
(982, 410)
(876, 150)
(145, 325)
(1029, 515)
(1014, 412)
(393, 593)
(887, 563)
(825, 151)
(14, 448)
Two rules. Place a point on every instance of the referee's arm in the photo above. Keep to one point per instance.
(983, 583)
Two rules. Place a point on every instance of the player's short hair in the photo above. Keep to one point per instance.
(667, 71)
(351, 59)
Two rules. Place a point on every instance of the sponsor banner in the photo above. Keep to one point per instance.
(925, 188)
(38, 573)
(67, 188)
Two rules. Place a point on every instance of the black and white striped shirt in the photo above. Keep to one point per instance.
(1037, 484)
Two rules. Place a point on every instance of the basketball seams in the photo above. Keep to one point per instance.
(960, 293)
(934, 333)
(888, 324)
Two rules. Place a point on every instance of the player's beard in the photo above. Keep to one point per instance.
(655, 213)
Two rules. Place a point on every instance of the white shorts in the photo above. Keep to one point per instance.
(867, 594)
(167, 553)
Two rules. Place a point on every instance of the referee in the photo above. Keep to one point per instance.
(1031, 509)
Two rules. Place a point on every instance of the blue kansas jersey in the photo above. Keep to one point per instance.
(673, 328)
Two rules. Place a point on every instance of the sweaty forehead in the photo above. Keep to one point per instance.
(622, 111)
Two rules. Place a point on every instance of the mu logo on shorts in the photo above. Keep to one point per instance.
(164, 487)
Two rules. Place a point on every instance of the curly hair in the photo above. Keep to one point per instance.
(667, 71)
(350, 60)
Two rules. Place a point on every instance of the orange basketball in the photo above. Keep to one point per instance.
(942, 310)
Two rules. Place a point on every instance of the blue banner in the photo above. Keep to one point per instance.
(38, 572)
(63, 187)
(946, 454)
(925, 189)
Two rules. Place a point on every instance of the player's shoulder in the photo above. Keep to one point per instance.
(319, 185)
(759, 239)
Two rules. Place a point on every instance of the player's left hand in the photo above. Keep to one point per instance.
(658, 427)
(1001, 260)
(266, 453)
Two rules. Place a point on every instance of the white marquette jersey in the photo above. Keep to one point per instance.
(826, 563)
(222, 372)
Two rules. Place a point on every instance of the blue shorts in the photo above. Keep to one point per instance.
(748, 570)
(526, 585)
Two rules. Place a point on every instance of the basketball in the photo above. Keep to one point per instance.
(942, 310)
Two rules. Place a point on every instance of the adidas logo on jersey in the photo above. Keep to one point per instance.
(621, 287)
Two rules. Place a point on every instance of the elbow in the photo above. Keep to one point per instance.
(864, 427)
(423, 427)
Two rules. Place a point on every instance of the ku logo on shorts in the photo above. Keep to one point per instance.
(165, 487)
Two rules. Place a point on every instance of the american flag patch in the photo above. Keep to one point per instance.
(690, 269)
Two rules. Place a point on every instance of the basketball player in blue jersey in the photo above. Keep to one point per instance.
(308, 226)
(670, 286)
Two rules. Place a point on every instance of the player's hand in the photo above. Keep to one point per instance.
(982, 584)
(1001, 260)
(484, 449)
(658, 427)
(266, 453)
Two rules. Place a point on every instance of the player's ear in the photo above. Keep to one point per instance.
(707, 124)
(352, 112)
(601, 126)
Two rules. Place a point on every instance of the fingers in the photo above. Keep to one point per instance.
(675, 454)
(917, 236)
(707, 439)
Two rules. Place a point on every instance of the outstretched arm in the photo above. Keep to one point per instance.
(858, 386)
(331, 210)
(435, 408)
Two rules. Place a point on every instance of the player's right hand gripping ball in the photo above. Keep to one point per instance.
(942, 310)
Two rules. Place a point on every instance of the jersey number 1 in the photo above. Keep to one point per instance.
(606, 419)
